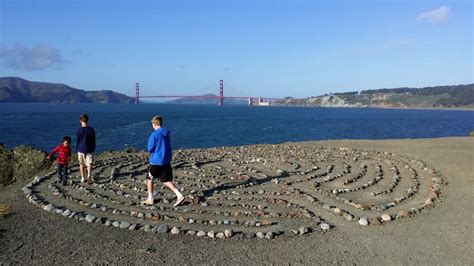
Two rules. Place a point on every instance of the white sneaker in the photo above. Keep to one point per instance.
(179, 200)
(82, 180)
(148, 202)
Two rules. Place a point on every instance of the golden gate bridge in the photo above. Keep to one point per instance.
(252, 100)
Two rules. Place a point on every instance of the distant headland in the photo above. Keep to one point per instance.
(18, 90)
(455, 96)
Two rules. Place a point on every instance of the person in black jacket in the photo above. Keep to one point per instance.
(85, 147)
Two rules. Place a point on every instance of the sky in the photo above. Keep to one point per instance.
(265, 48)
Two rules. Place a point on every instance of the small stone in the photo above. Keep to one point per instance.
(124, 225)
(303, 230)
(220, 235)
(428, 201)
(90, 218)
(363, 221)
(204, 204)
(348, 217)
(49, 207)
(140, 215)
(175, 231)
(211, 234)
(163, 229)
(116, 224)
(147, 228)
(403, 214)
(386, 218)
(132, 227)
(108, 223)
(260, 235)
(249, 235)
(201, 233)
(269, 235)
(325, 226)
(228, 233)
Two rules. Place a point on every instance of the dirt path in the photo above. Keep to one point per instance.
(442, 235)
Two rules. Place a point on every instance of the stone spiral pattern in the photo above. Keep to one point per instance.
(262, 191)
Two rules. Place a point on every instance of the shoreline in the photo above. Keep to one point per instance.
(133, 149)
(302, 106)
(384, 108)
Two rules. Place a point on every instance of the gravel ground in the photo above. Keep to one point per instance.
(442, 235)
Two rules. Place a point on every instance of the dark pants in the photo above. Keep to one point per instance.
(62, 172)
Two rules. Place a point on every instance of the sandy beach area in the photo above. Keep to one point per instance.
(308, 200)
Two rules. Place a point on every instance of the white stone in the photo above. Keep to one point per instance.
(303, 230)
(228, 233)
(386, 218)
(363, 221)
(124, 225)
(211, 234)
(49, 207)
(90, 218)
(175, 231)
(325, 226)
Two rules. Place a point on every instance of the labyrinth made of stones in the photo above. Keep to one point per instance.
(262, 191)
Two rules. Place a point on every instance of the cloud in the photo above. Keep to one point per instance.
(31, 59)
(435, 16)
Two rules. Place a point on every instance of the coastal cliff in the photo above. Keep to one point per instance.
(18, 90)
(457, 96)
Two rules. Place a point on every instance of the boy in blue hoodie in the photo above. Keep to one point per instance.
(159, 147)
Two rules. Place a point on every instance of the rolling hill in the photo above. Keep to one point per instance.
(18, 90)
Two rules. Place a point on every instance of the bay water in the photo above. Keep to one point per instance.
(119, 126)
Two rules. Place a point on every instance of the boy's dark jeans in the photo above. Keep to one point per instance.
(62, 172)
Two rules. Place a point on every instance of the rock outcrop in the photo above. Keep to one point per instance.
(21, 163)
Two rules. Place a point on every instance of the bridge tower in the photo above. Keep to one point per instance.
(137, 93)
(220, 98)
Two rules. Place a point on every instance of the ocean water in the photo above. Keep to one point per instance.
(197, 126)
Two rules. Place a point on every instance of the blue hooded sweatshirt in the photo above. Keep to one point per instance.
(159, 147)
